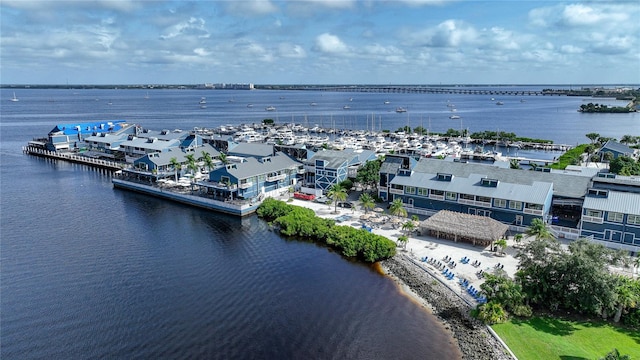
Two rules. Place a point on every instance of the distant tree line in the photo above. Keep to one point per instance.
(601, 108)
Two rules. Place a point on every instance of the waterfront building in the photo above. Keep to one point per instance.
(514, 201)
(65, 137)
(393, 165)
(254, 150)
(160, 162)
(616, 149)
(255, 178)
(611, 212)
(330, 167)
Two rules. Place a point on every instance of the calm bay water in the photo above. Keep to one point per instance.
(92, 272)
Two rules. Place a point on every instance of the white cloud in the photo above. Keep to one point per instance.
(571, 49)
(449, 33)
(583, 15)
(331, 44)
(251, 7)
(288, 50)
(193, 26)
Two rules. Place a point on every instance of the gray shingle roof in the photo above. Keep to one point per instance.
(253, 167)
(251, 150)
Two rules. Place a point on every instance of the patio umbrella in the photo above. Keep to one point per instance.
(378, 209)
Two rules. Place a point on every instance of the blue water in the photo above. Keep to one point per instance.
(92, 272)
(87, 271)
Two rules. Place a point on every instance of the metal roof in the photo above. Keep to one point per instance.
(535, 192)
(566, 185)
(253, 166)
(616, 201)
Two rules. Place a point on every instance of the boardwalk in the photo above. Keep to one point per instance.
(98, 163)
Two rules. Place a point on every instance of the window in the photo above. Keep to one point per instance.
(451, 196)
(534, 206)
(423, 192)
(501, 203)
(515, 205)
(615, 216)
(437, 192)
(224, 179)
(467, 197)
(410, 190)
(319, 163)
(594, 213)
(489, 182)
(633, 219)
(483, 199)
(444, 177)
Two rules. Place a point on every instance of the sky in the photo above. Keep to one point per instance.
(319, 42)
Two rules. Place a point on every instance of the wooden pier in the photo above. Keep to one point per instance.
(75, 158)
(428, 90)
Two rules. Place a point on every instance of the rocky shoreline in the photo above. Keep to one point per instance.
(473, 338)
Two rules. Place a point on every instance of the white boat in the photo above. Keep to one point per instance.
(401, 110)
(203, 100)
(314, 104)
(14, 98)
(249, 105)
(453, 117)
(346, 107)
(270, 108)
(387, 102)
(499, 103)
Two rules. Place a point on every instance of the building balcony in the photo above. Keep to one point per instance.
(396, 191)
(474, 203)
(245, 185)
(276, 177)
(532, 211)
(436, 197)
(592, 219)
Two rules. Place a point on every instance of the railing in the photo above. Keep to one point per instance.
(276, 177)
(396, 191)
(436, 197)
(474, 203)
(532, 211)
(245, 185)
(593, 219)
(74, 158)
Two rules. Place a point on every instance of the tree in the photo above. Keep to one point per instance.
(607, 156)
(337, 193)
(208, 161)
(502, 244)
(223, 157)
(506, 292)
(539, 229)
(367, 202)
(628, 294)
(403, 240)
(518, 238)
(514, 164)
(624, 165)
(369, 174)
(175, 165)
(191, 164)
(408, 227)
(397, 208)
(491, 313)
(615, 355)
(593, 137)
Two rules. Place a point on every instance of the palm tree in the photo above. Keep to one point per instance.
(518, 238)
(397, 208)
(223, 157)
(337, 193)
(403, 239)
(502, 244)
(175, 164)
(539, 229)
(208, 161)
(191, 164)
(367, 202)
(408, 227)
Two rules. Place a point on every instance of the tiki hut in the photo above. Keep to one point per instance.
(478, 230)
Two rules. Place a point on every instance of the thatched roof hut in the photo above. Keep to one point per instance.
(481, 230)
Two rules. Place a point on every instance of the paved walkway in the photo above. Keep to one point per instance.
(419, 247)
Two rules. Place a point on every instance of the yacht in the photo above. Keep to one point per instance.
(203, 100)
(346, 107)
(14, 98)
(453, 117)
(401, 110)
(499, 103)
(270, 108)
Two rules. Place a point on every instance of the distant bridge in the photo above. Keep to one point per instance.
(425, 90)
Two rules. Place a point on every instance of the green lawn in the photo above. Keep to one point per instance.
(549, 338)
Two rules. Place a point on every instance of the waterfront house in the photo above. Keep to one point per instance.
(255, 178)
(326, 168)
(616, 149)
(160, 162)
(69, 136)
(611, 212)
(136, 147)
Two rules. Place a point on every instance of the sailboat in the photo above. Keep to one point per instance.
(14, 98)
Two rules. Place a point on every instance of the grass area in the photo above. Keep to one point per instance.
(550, 338)
(570, 157)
